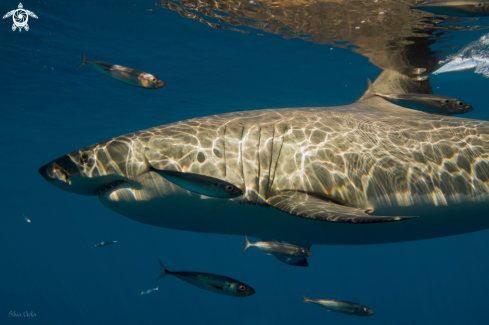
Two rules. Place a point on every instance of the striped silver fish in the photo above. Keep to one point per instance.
(126, 75)
(424, 102)
(147, 292)
(456, 8)
(284, 252)
(276, 248)
(343, 307)
(211, 282)
(105, 243)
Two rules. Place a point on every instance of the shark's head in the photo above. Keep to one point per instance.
(91, 171)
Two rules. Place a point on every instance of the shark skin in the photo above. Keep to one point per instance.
(370, 155)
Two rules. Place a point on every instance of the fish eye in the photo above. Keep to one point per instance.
(460, 103)
(446, 101)
(365, 309)
(229, 188)
(479, 4)
(153, 79)
(242, 288)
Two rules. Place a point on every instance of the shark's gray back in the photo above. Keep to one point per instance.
(364, 154)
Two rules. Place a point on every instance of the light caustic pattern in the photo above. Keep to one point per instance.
(355, 154)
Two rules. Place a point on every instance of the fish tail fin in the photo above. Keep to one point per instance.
(306, 300)
(84, 61)
(164, 271)
(248, 244)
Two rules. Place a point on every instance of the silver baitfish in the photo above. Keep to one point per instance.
(344, 307)
(26, 219)
(424, 102)
(201, 184)
(127, 75)
(211, 282)
(456, 8)
(105, 243)
(147, 292)
(275, 248)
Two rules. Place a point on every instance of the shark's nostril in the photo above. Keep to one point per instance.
(60, 169)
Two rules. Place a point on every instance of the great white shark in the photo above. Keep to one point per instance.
(309, 176)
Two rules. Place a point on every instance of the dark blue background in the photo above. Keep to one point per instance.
(50, 266)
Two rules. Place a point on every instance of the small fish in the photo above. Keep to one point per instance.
(455, 8)
(424, 102)
(105, 243)
(148, 291)
(344, 307)
(26, 219)
(127, 75)
(287, 250)
(201, 184)
(211, 282)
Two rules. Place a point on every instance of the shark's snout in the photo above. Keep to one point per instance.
(60, 169)
(64, 174)
(68, 175)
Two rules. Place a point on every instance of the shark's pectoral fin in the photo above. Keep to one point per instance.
(311, 207)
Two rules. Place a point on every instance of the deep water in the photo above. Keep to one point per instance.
(50, 267)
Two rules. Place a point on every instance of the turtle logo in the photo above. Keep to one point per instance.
(20, 17)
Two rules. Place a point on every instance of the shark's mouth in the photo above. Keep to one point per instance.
(101, 190)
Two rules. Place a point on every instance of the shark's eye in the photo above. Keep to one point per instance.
(84, 158)
(242, 288)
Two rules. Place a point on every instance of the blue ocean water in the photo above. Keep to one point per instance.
(50, 268)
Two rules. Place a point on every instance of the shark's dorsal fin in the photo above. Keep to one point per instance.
(311, 207)
(390, 81)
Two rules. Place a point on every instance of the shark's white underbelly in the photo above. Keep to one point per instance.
(160, 203)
